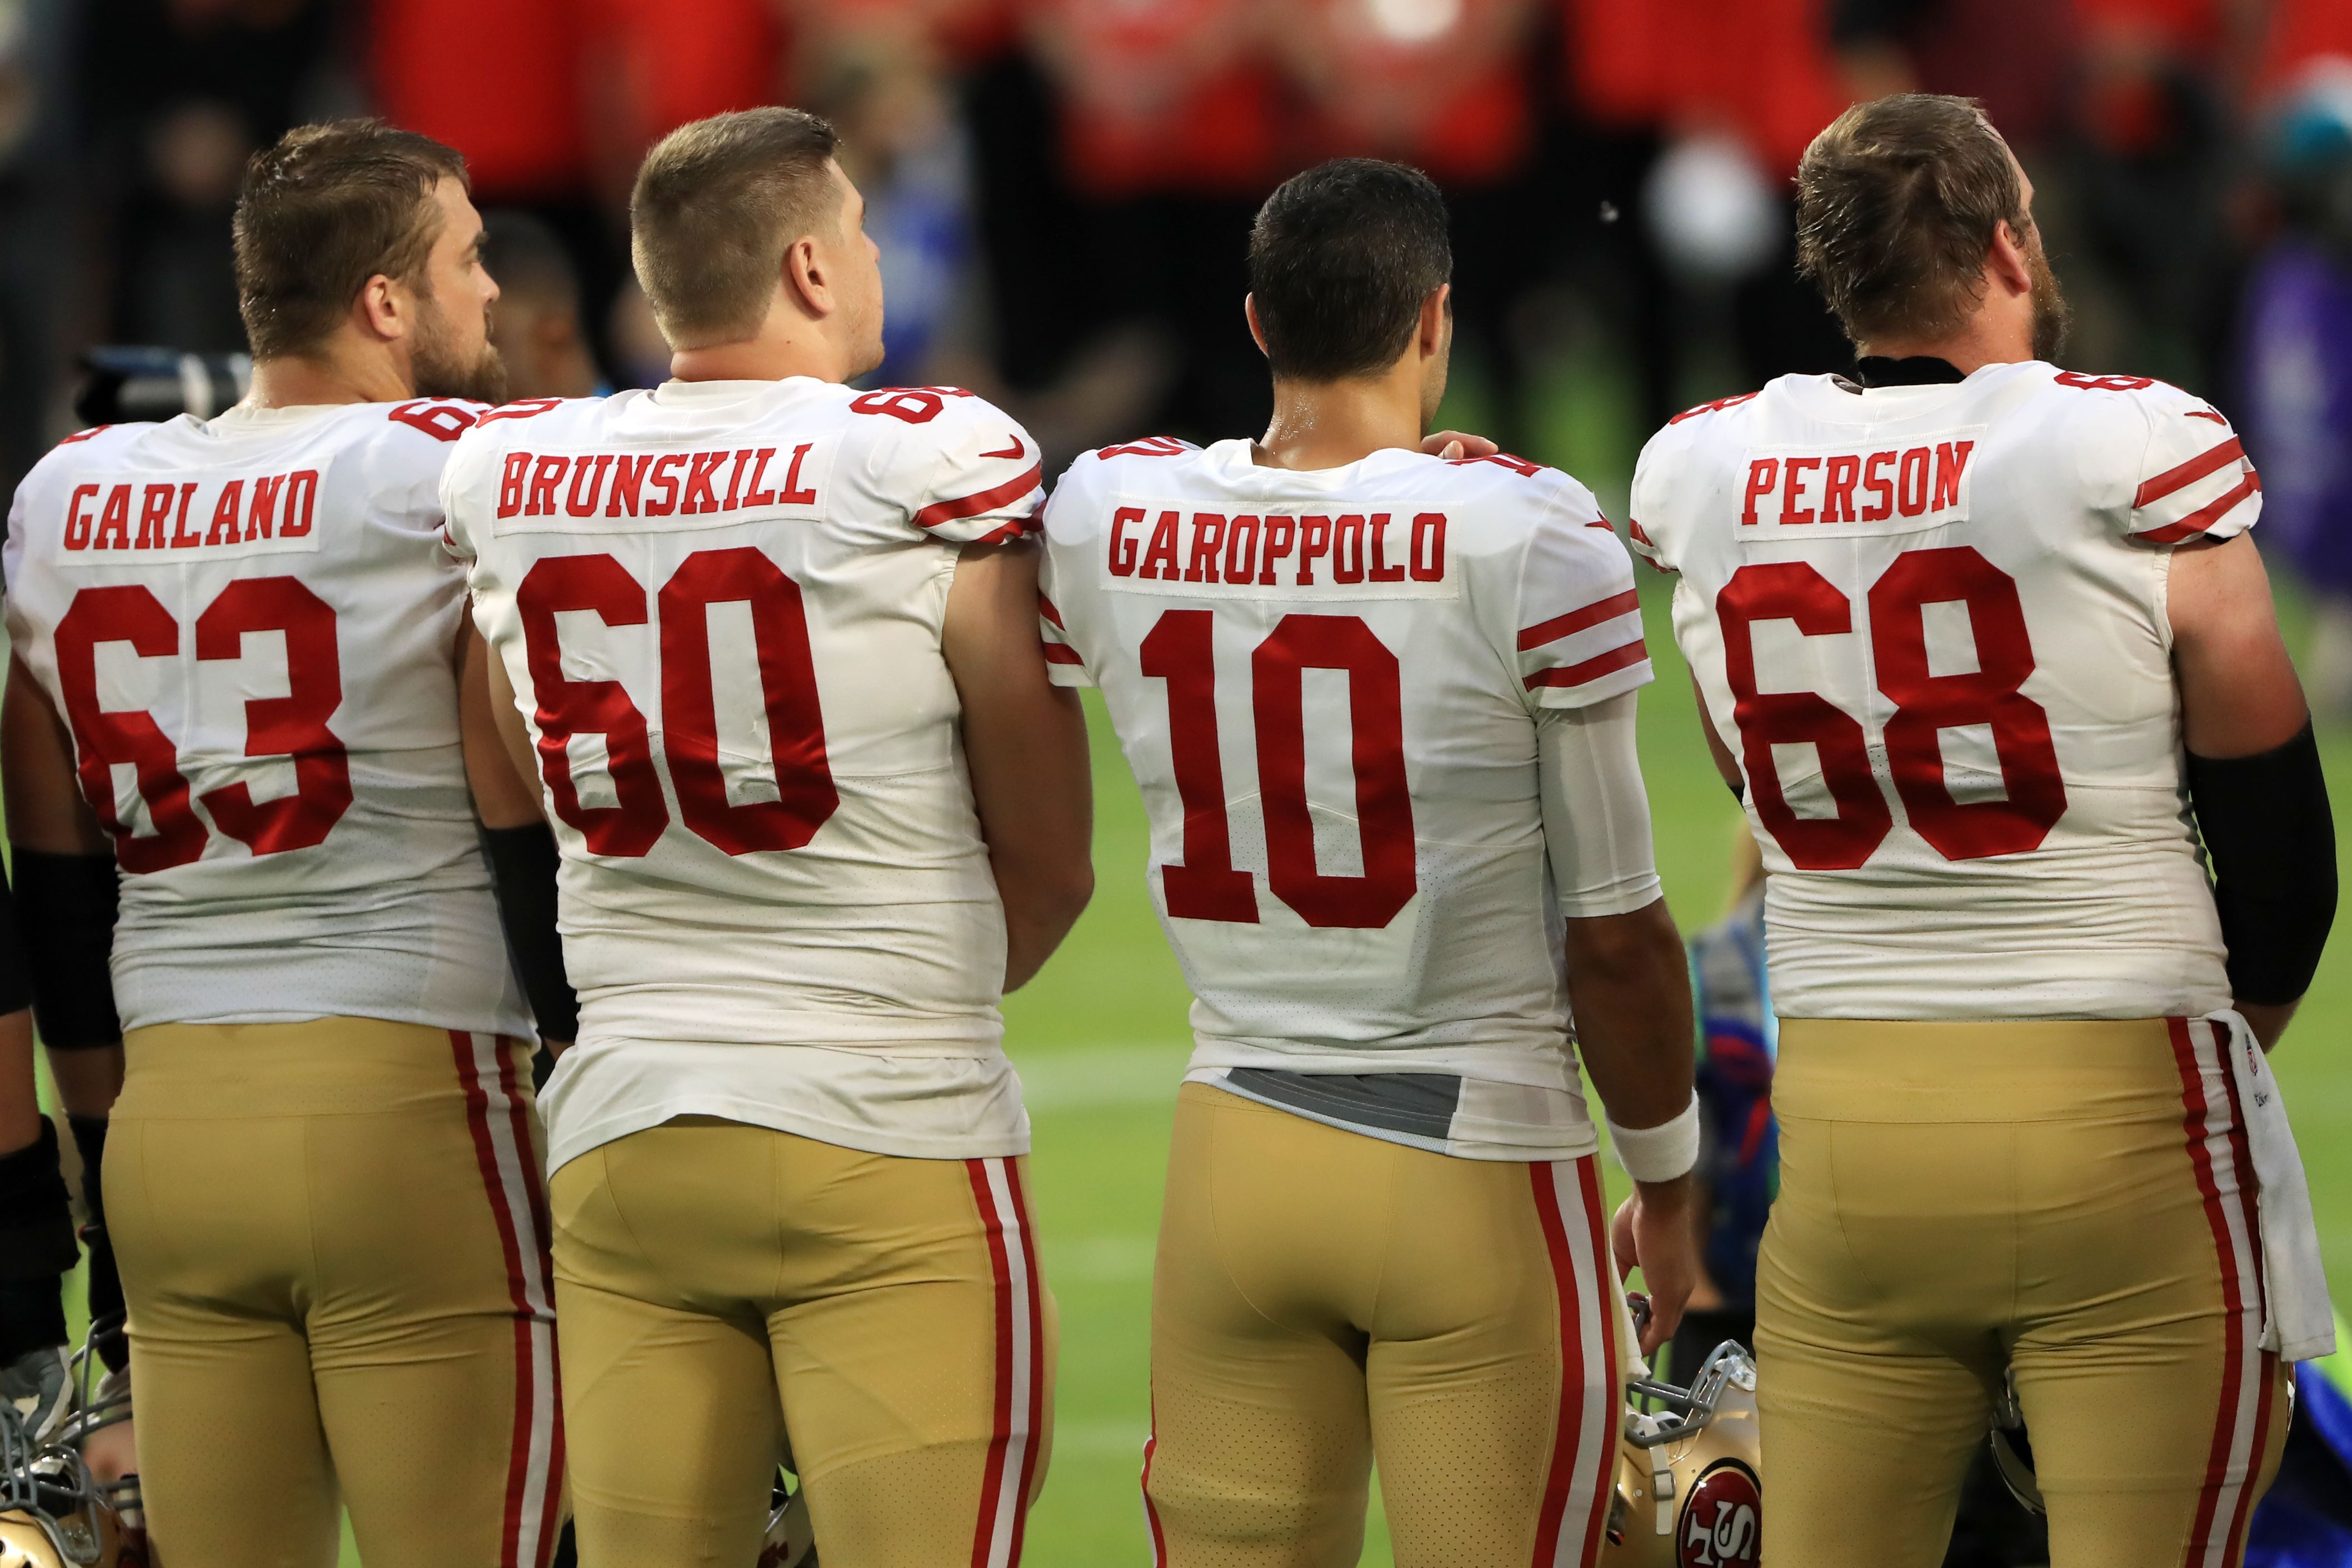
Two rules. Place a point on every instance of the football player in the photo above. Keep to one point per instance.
(1380, 705)
(1982, 645)
(234, 698)
(772, 643)
(36, 1232)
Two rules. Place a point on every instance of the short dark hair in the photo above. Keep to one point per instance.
(326, 208)
(1339, 261)
(1896, 204)
(717, 203)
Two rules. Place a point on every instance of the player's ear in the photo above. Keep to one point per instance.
(383, 309)
(2005, 264)
(806, 281)
(1436, 320)
(1257, 334)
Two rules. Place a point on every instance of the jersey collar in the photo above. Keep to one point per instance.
(1914, 370)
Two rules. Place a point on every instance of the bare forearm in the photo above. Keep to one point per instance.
(1629, 987)
(1036, 919)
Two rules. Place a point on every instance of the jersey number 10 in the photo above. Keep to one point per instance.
(1180, 649)
(1924, 705)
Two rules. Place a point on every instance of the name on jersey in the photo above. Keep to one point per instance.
(191, 517)
(1338, 555)
(1868, 489)
(567, 487)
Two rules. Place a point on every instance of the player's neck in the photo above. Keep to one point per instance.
(788, 343)
(335, 374)
(1331, 424)
(1967, 351)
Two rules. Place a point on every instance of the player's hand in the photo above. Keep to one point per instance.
(1654, 1230)
(1453, 444)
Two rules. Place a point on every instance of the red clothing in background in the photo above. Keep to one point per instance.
(1162, 95)
(1454, 102)
(498, 79)
(676, 60)
(1760, 68)
(2303, 30)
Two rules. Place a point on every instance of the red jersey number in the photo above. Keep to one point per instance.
(803, 776)
(293, 726)
(1924, 706)
(1207, 886)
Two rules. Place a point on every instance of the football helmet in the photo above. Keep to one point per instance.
(54, 1513)
(790, 1542)
(1689, 1492)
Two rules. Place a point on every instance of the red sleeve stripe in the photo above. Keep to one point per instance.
(2188, 473)
(1592, 669)
(940, 511)
(1046, 608)
(1625, 603)
(1062, 653)
(2198, 522)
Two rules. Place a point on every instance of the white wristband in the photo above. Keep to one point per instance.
(1659, 1154)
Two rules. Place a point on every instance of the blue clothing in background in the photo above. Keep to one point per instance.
(2306, 1519)
(1738, 1040)
(2296, 379)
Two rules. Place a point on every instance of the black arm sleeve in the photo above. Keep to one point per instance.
(106, 1311)
(36, 1246)
(523, 862)
(2272, 843)
(68, 932)
(15, 979)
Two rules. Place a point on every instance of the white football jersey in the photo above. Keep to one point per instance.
(1327, 685)
(720, 604)
(251, 627)
(1931, 622)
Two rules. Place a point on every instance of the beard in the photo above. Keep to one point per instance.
(441, 368)
(2053, 316)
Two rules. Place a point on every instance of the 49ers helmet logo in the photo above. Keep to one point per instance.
(1722, 1524)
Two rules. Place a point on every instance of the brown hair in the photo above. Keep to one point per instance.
(1896, 204)
(327, 208)
(718, 202)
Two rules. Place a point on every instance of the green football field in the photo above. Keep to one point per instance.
(1101, 1039)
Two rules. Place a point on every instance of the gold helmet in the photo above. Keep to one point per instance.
(1688, 1487)
(54, 1513)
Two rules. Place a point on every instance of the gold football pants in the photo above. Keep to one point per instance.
(330, 1235)
(2070, 1201)
(716, 1283)
(1322, 1297)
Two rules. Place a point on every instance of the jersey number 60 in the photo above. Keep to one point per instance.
(804, 789)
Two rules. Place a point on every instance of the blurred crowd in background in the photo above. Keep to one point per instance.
(1062, 189)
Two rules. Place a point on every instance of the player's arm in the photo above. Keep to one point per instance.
(1026, 744)
(1628, 985)
(516, 839)
(1725, 762)
(2253, 777)
(66, 878)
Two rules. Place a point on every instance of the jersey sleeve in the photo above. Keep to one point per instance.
(1057, 576)
(407, 457)
(962, 470)
(2194, 479)
(1576, 637)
